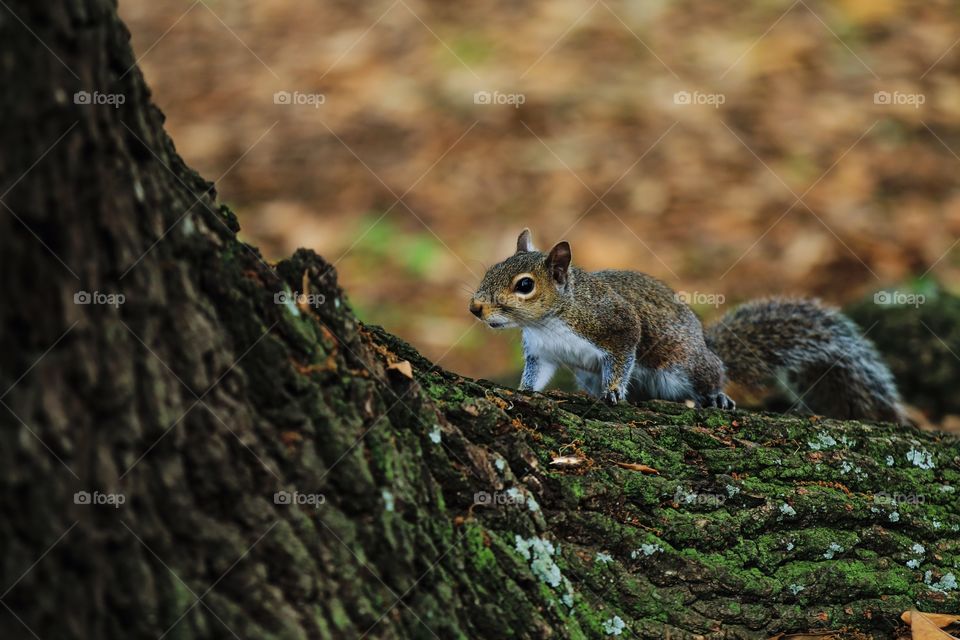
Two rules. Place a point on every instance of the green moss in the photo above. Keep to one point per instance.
(716, 419)
(181, 599)
(590, 619)
(576, 488)
(773, 546)
(478, 551)
(338, 615)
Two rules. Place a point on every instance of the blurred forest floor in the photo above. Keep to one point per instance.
(780, 170)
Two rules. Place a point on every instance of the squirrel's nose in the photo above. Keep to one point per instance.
(476, 309)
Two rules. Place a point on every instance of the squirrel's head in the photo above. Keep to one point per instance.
(525, 287)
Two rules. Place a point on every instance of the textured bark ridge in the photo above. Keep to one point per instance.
(284, 474)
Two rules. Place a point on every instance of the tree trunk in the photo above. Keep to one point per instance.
(207, 458)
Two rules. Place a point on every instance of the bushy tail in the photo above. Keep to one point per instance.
(813, 352)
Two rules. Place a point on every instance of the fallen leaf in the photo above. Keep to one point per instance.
(567, 461)
(939, 619)
(403, 367)
(642, 468)
(923, 629)
(927, 626)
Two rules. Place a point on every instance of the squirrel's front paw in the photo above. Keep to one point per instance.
(613, 396)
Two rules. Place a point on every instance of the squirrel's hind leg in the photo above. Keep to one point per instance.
(720, 400)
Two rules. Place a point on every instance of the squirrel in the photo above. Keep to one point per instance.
(629, 336)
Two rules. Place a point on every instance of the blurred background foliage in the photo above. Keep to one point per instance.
(800, 182)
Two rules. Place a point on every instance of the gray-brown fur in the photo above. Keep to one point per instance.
(627, 334)
(813, 351)
(671, 334)
(633, 318)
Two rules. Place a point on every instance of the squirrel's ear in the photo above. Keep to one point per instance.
(559, 261)
(525, 242)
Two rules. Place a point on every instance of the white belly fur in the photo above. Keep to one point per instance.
(664, 384)
(554, 341)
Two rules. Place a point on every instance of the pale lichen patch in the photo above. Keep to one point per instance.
(614, 626)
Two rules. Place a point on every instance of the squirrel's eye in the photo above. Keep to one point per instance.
(524, 285)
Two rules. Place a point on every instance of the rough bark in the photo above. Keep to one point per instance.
(201, 397)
